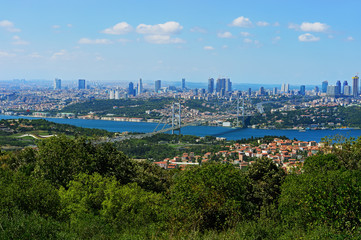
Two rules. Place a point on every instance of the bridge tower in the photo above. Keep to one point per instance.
(176, 117)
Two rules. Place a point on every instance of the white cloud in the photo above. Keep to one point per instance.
(262, 24)
(208, 48)
(123, 40)
(69, 25)
(58, 54)
(35, 55)
(224, 35)
(9, 26)
(6, 54)
(224, 46)
(245, 34)
(293, 26)
(247, 40)
(19, 41)
(350, 38)
(119, 28)
(276, 24)
(310, 27)
(94, 41)
(55, 26)
(314, 27)
(162, 39)
(276, 39)
(198, 30)
(308, 37)
(99, 58)
(167, 28)
(241, 22)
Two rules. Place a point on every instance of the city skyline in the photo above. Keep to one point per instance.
(248, 42)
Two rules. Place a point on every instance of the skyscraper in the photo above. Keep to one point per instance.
(210, 85)
(131, 89)
(158, 85)
(220, 84)
(81, 84)
(338, 88)
(345, 83)
(228, 86)
(347, 91)
(140, 86)
(355, 86)
(303, 90)
(183, 83)
(57, 84)
(324, 86)
(287, 88)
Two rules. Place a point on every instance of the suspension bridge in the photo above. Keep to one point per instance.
(174, 122)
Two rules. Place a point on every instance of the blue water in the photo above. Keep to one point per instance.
(229, 133)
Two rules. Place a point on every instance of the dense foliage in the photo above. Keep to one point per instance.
(72, 189)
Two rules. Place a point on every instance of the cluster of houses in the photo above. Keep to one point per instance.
(284, 153)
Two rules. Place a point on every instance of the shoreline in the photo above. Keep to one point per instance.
(140, 121)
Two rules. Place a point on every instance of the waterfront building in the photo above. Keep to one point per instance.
(81, 84)
(57, 84)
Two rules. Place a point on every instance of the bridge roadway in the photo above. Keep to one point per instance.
(140, 136)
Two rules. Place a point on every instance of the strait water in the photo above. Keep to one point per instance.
(229, 133)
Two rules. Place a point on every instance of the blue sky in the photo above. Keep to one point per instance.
(298, 42)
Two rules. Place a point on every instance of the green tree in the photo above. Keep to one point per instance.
(330, 198)
(18, 191)
(266, 179)
(212, 196)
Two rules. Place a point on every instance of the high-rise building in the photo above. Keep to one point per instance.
(183, 83)
(131, 91)
(261, 91)
(338, 88)
(57, 84)
(158, 85)
(140, 86)
(345, 83)
(228, 86)
(81, 84)
(249, 91)
(317, 89)
(331, 91)
(220, 84)
(210, 85)
(287, 88)
(324, 86)
(303, 90)
(347, 90)
(117, 95)
(275, 91)
(355, 86)
(111, 94)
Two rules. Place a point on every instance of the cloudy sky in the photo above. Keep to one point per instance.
(268, 41)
